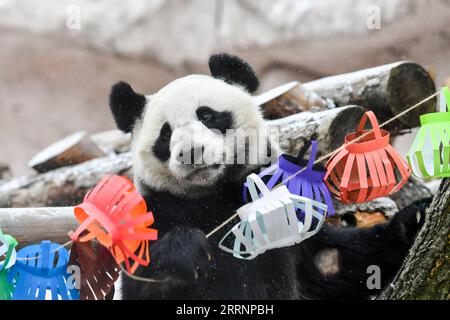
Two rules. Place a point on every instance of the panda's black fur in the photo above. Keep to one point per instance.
(193, 267)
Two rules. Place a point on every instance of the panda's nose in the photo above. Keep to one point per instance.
(192, 156)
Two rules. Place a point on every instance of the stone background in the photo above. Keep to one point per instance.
(54, 80)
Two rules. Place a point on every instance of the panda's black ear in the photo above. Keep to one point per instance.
(126, 105)
(233, 70)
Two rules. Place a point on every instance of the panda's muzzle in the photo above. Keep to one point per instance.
(193, 156)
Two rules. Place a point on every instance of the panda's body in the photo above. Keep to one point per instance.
(270, 276)
(189, 119)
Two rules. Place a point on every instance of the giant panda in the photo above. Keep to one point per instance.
(192, 116)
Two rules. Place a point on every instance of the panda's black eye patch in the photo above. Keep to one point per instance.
(166, 131)
(215, 120)
(161, 148)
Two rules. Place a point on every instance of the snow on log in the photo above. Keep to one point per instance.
(387, 90)
(61, 187)
(5, 171)
(112, 141)
(425, 273)
(32, 225)
(288, 99)
(74, 149)
(329, 127)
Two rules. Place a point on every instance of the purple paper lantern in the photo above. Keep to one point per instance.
(309, 183)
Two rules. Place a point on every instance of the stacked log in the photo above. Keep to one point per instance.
(324, 110)
(386, 90)
(74, 149)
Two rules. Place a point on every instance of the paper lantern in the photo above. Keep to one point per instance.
(368, 168)
(429, 156)
(40, 272)
(99, 269)
(116, 215)
(271, 221)
(8, 259)
(308, 183)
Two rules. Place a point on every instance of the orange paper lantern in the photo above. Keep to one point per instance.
(116, 215)
(368, 168)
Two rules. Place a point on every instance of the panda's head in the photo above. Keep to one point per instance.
(197, 130)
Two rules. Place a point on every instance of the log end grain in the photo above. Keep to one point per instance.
(344, 123)
(408, 84)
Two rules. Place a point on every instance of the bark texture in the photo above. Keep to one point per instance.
(328, 127)
(61, 187)
(425, 274)
(387, 90)
(32, 225)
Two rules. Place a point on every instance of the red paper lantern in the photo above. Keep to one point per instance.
(116, 215)
(368, 168)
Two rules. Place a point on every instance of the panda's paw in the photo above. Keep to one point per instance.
(182, 256)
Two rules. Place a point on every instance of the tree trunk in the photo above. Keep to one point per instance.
(387, 90)
(425, 273)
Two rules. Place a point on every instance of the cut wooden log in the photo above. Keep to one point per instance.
(74, 149)
(67, 186)
(289, 99)
(413, 190)
(387, 90)
(363, 215)
(32, 225)
(327, 127)
(425, 273)
(61, 187)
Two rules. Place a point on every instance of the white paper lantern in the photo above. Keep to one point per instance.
(271, 221)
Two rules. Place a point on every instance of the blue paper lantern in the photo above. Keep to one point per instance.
(40, 271)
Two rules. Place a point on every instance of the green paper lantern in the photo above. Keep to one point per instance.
(429, 156)
(8, 255)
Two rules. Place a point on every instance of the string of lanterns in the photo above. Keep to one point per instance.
(290, 207)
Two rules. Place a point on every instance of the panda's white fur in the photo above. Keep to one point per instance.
(176, 104)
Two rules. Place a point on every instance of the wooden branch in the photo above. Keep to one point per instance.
(61, 187)
(32, 225)
(387, 90)
(74, 149)
(289, 99)
(425, 273)
(328, 127)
